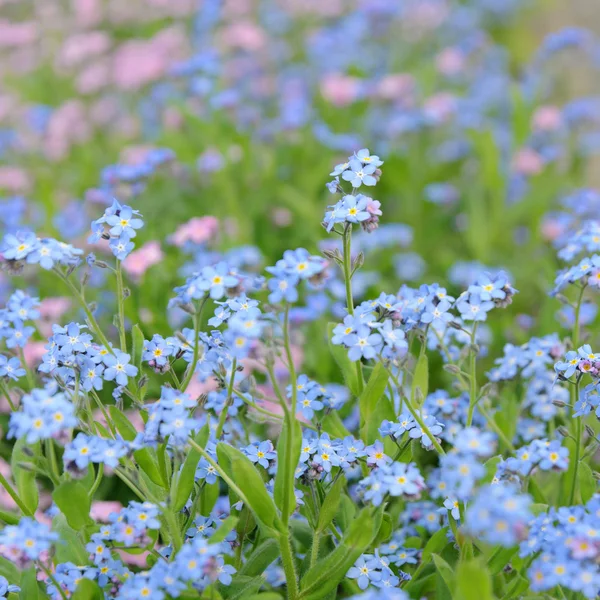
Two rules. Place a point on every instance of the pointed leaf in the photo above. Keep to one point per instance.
(183, 482)
(88, 590)
(24, 479)
(445, 570)
(72, 499)
(587, 482)
(420, 378)
(331, 504)
(288, 455)
(371, 394)
(251, 484)
(473, 581)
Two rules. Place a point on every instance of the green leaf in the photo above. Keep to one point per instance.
(445, 570)
(473, 581)
(330, 505)
(384, 410)
(265, 596)
(587, 482)
(346, 512)
(69, 548)
(30, 589)
(437, 542)
(370, 397)
(10, 571)
(328, 572)
(9, 518)
(288, 455)
(347, 367)
(420, 379)
(227, 526)
(241, 587)
(122, 423)
(251, 484)
(88, 590)
(264, 554)
(500, 558)
(333, 425)
(72, 499)
(24, 479)
(183, 482)
(385, 531)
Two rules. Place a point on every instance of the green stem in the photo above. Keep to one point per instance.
(473, 377)
(347, 260)
(53, 580)
(29, 374)
(97, 480)
(121, 307)
(415, 413)
(496, 429)
(11, 492)
(173, 528)
(228, 400)
(51, 455)
(290, 359)
(578, 428)
(314, 550)
(6, 393)
(88, 313)
(289, 567)
(196, 325)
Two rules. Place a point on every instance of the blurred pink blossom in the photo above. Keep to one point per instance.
(33, 353)
(528, 162)
(80, 47)
(244, 35)
(547, 118)
(87, 12)
(140, 260)
(14, 34)
(397, 87)
(14, 179)
(102, 509)
(440, 107)
(197, 230)
(340, 90)
(450, 61)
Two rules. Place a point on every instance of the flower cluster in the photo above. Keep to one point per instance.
(499, 514)
(43, 415)
(542, 454)
(375, 569)
(118, 225)
(24, 247)
(565, 545)
(26, 542)
(20, 308)
(395, 479)
(295, 266)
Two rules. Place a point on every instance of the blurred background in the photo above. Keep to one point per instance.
(220, 120)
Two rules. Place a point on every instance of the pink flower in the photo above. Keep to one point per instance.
(340, 90)
(33, 353)
(440, 107)
(14, 179)
(17, 34)
(140, 260)
(528, 162)
(450, 61)
(244, 35)
(87, 12)
(54, 307)
(398, 87)
(197, 230)
(82, 46)
(102, 509)
(547, 118)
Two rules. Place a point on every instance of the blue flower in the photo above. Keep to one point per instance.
(359, 174)
(122, 246)
(261, 453)
(118, 368)
(364, 571)
(19, 245)
(124, 222)
(363, 343)
(11, 368)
